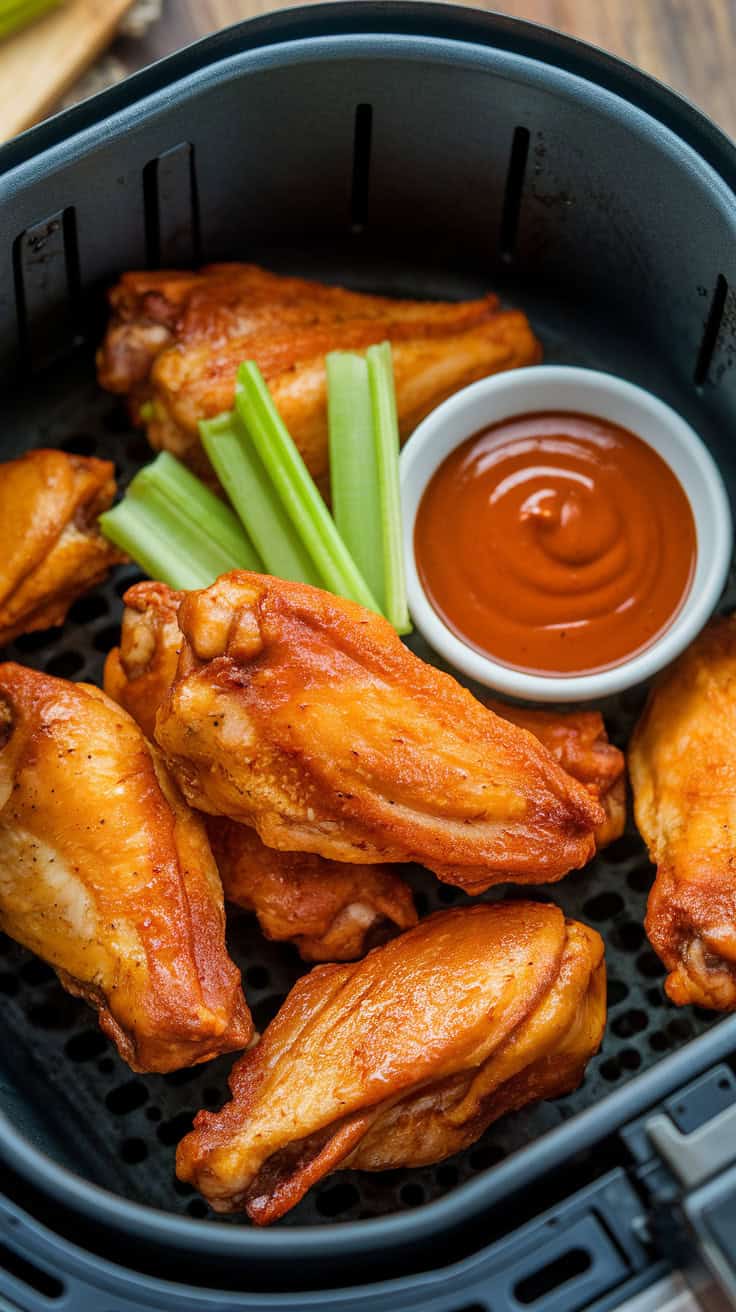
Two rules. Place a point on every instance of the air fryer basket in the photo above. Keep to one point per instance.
(417, 149)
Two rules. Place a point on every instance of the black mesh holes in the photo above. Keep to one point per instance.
(133, 1151)
(171, 1131)
(629, 1023)
(337, 1198)
(603, 907)
(126, 1097)
(85, 1046)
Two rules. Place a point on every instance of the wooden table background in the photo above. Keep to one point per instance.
(690, 44)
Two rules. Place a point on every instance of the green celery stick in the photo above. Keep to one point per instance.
(240, 470)
(296, 489)
(386, 436)
(19, 13)
(356, 504)
(199, 504)
(164, 542)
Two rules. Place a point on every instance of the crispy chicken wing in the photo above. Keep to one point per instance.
(176, 341)
(579, 742)
(155, 309)
(139, 673)
(107, 875)
(52, 549)
(328, 909)
(306, 717)
(682, 764)
(404, 1057)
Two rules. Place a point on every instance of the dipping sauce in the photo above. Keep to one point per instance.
(555, 543)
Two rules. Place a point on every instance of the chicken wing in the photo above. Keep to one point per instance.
(155, 309)
(176, 340)
(404, 1057)
(331, 911)
(306, 717)
(579, 742)
(107, 875)
(139, 673)
(682, 765)
(52, 549)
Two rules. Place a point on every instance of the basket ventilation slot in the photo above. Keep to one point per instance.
(513, 193)
(566, 1267)
(172, 209)
(711, 330)
(361, 167)
(47, 287)
(27, 1273)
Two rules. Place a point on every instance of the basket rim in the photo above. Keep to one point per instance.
(422, 18)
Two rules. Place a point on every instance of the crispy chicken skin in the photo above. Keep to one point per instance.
(53, 551)
(176, 340)
(404, 1057)
(306, 717)
(330, 910)
(154, 309)
(107, 875)
(682, 765)
(579, 742)
(139, 673)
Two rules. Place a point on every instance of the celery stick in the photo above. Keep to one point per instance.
(386, 436)
(19, 13)
(163, 542)
(198, 503)
(356, 505)
(197, 544)
(238, 467)
(297, 490)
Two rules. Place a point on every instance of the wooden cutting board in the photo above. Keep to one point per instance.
(41, 62)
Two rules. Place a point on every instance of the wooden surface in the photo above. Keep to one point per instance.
(690, 44)
(41, 62)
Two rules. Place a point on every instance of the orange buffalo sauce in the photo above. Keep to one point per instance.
(555, 543)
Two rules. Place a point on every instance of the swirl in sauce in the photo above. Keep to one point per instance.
(555, 543)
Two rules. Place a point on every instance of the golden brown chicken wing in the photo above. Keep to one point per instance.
(176, 340)
(682, 765)
(306, 717)
(404, 1057)
(329, 910)
(579, 742)
(155, 309)
(139, 673)
(107, 875)
(52, 549)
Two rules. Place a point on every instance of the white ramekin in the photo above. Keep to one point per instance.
(586, 391)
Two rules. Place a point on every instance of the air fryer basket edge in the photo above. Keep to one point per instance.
(530, 1162)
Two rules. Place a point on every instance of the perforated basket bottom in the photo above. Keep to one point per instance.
(120, 1130)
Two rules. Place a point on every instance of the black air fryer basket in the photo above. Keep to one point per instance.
(404, 148)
